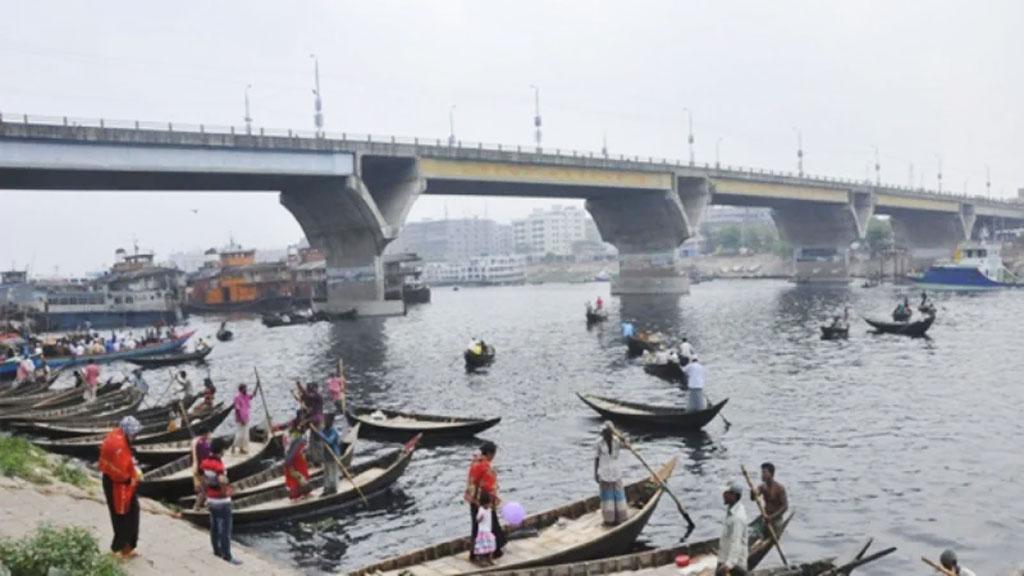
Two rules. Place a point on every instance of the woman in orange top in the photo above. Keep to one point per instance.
(483, 479)
(120, 481)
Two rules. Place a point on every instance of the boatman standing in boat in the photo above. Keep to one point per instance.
(92, 380)
(733, 544)
(685, 352)
(776, 502)
(950, 562)
(608, 475)
(695, 379)
(184, 385)
(482, 478)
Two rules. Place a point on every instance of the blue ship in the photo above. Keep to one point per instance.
(975, 266)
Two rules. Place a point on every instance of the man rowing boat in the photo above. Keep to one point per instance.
(776, 501)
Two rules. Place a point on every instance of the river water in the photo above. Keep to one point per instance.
(912, 442)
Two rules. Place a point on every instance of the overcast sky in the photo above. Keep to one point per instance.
(916, 79)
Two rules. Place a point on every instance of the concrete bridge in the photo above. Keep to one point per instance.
(351, 194)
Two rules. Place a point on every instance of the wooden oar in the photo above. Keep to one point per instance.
(348, 476)
(859, 561)
(263, 398)
(187, 419)
(344, 393)
(938, 567)
(720, 415)
(767, 521)
(679, 505)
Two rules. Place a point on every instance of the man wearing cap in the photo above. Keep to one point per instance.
(950, 562)
(732, 545)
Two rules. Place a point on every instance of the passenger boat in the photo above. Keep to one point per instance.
(10, 367)
(915, 329)
(274, 506)
(653, 417)
(163, 360)
(474, 361)
(272, 478)
(571, 533)
(976, 265)
(174, 480)
(841, 332)
(669, 370)
(702, 560)
(394, 425)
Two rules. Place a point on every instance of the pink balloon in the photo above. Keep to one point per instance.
(513, 513)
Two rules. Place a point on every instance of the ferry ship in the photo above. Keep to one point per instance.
(232, 281)
(975, 266)
(134, 292)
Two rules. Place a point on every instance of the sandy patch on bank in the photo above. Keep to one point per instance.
(167, 545)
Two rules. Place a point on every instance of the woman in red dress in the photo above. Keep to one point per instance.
(483, 479)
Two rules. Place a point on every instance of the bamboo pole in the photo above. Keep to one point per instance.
(767, 521)
(938, 567)
(348, 475)
(679, 505)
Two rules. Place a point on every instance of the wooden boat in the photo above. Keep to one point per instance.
(153, 420)
(595, 316)
(474, 361)
(174, 480)
(272, 478)
(652, 417)
(88, 447)
(9, 368)
(914, 329)
(841, 332)
(636, 345)
(162, 360)
(271, 507)
(571, 533)
(669, 370)
(116, 403)
(394, 425)
(703, 559)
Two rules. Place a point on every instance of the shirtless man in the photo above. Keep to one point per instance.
(776, 502)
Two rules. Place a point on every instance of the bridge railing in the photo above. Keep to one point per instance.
(460, 146)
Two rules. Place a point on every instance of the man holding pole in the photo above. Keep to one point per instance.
(950, 565)
(733, 544)
(776, 502)
(608, 476)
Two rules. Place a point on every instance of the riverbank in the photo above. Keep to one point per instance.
(167, 544)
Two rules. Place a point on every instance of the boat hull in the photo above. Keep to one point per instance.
(9, 369)
(655, 417)
(379, 430)
(958, 278)
(913, 329)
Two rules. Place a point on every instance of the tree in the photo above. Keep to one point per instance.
(878, 236)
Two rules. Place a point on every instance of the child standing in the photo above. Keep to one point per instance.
(484, 546)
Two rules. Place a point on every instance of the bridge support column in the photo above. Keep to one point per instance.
(352, 224)
(930, 236)
(821, 235)
(647, 229)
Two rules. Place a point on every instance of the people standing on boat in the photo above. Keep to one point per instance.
(695, 380)
(313, 413)
(200, 451)
(476, 347)
(776, 501)
(91, 375)
(926, 306)
(331, 441)
(243, 413)
(608, 475)
(42, 372)
(209, 394)
(120, 481)
(599, 304)
(336, 388)
(139, 382)
(628, 329)
(950, 562)
(902, 313)
(733, 543)
(26, 369)
(184, 384)
(296, 470)
(217, 490)
(685, 352)
(480, 480)
(484, 543)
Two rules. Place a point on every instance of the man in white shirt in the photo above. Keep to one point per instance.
(685, 350)
(608, 475)
(733, 544)
(184, 385)
(695, 379)
(949, 562)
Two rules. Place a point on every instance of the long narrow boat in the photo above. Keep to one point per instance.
(273, 477)
(474, 361)
(636, 346)
(53, 398)
(271, 507)
(702, 555)
(9, 368)
(669, 370)
(153, 420)
(174, 480)
(648, 416)
(88, 447)
(116, 403)
(571, 533)
(841, 332)
(915, 329)
(171, 359)
(394, 425)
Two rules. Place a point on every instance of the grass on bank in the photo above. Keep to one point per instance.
(70, 551)
(20, 459)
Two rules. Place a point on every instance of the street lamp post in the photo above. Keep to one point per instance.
(689, 139)
(318, 114)
(718, 144)
(248, 116)
(799, 152)
(604, 144)
(536, 115)
(878, 168)
(451, 126)
(939, 158)
(988, 182)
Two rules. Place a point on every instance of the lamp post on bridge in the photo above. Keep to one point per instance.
(718, 144)
(248, 116)
(689, 139)
(318, 116)
(939, 158)
(536, 115)
(604, 144)
(799, 152)
(988, 182)
(878, 168)
(451, 126)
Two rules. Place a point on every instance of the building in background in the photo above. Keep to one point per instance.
(453, 240)
(552, 231)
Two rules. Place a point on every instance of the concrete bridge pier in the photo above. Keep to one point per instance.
(932, 235)
(821, 234)
(352, 219)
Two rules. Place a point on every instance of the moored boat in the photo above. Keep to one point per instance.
(394, 425)
(172, 359)
(976, 265)
(653, 417)
(9, 367)
(914, 329)
(153, 421)
(571, 533)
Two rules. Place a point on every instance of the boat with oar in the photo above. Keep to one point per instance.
(668, 370)
(363, 480)
(574, 532)
(637, 415)
(272, 478)
(10, 367)
(88, 447)
(914, 329)
(475, 360)
(223, 334)
(835, 332)
(172, 359)
(701, 560)
(117, 403)
(174, 480)
(394, 425)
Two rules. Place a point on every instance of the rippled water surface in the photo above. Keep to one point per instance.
(913, 442)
